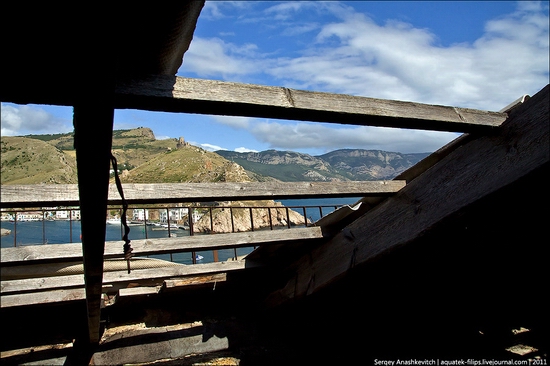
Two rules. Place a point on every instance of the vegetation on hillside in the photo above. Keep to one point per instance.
(141, 158)
(29, 161)
(188, 164)
(144, 159)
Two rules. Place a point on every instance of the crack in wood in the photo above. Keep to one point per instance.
(288, 94)
(459, 115)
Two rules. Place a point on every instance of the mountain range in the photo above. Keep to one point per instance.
(338, 165)
(142, 158)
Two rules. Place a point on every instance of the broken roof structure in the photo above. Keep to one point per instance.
(440, 264)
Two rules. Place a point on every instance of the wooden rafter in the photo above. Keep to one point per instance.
(479, 168)
(177, 94)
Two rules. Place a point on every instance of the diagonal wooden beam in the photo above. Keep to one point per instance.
(178, 94)
(479, 168)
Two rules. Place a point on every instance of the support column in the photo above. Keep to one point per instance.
(93, 123)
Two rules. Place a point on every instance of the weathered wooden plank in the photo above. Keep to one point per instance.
(146, 345)
(172, 284)
(67, 194)
(152, 276)
(481, 167)
(51, 269)
(28, 285)
(178, 94)
(138, 291)
(45, 297)
(113, 249)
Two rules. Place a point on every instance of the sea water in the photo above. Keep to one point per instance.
(64, 231)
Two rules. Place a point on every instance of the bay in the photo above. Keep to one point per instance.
(65, 231)
(312, 205)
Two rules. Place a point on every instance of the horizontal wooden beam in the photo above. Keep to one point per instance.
(43, 195)
(178, 94)
(66, 288)
(213, 97)
(35, 254)
(479, 168)
(44, 297)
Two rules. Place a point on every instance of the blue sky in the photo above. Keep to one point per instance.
(469, 54)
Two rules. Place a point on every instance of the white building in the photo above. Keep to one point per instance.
(175, 214)
(64, 214)
(30, 216)
(140, 214)
(61, 215)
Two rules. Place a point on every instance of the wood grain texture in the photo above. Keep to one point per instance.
(45, 297)
(33, 254)
(477, 169)
(36, 195)
(178, 94)
(150, 277)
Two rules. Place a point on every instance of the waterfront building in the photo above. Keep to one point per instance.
(175, 214)
(140, 214)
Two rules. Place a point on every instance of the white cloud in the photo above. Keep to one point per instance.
(398, 61)
(244, 150)
(394, 60)
(233, 121)
(24, 120)
(286, 10)
(216, 10)
(317, 135)
(213, 57)
(209, 147)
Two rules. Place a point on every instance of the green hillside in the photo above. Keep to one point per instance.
(184, 165)
(142, 158)
(30, 161)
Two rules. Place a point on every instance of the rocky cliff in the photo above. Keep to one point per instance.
(338, 165)
(221, 217)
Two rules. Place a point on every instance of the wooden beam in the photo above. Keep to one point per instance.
(149, 276)
(145, 193)
(93, 122)
(175, 284)
(45, 297)
(178, 94)
(142, 346)
(481, 166)
(55, 253)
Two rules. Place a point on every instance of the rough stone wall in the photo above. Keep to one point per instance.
(221, 218)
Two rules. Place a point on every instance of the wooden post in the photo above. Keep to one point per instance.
(93, 123)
